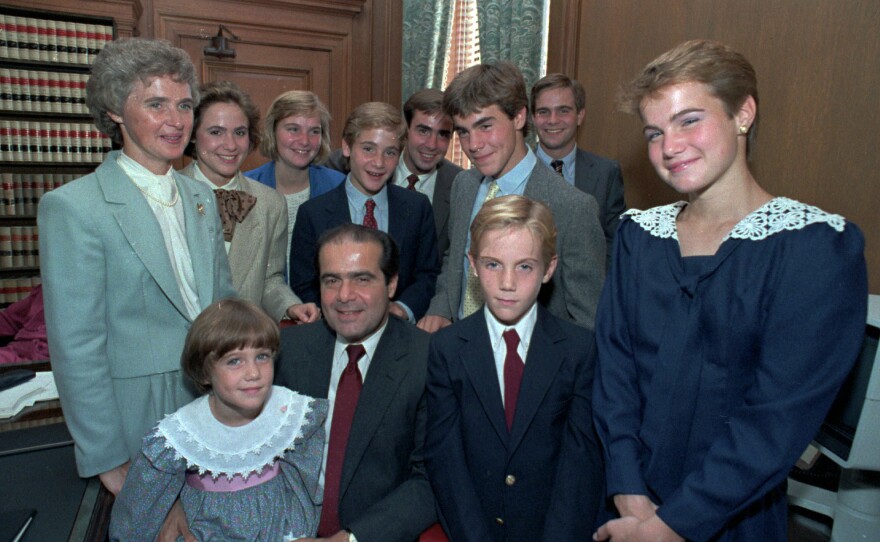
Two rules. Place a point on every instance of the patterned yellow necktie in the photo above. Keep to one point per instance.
(473, 295)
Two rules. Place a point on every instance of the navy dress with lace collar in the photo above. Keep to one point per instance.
(715, 372)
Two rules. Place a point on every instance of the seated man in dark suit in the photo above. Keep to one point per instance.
(489, 109)
(424, 167)
(372, 368)
(558, 109)
(372, 139)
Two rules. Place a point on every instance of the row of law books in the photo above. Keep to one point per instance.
(21, 192)
(19, 247)
(15, 289)
(64, 142)
(46, 39)
(43, 91)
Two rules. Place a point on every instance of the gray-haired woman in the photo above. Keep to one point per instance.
(131, 254)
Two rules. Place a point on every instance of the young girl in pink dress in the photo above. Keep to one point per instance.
(244, 458)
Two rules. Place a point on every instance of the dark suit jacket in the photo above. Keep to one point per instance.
(601, 178)
(410, 224)
(544, 477)
(573, 292)
(446, 172)
(384, 494)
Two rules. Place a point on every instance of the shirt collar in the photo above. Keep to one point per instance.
(511, 181)
(524, 327)
(370, 343)
(232, 184)
(358, 198)
(567, 160)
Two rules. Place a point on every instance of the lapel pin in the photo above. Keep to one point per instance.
(200, 208)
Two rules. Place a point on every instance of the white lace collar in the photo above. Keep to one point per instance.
(210, 446)
(775, 216)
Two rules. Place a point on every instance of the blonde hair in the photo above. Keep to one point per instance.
(516, 212)
(372, 116)
(300, 103)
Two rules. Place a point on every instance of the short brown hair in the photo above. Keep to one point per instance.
(484, 85)
(295, 102)
(428, 100)
(559, 80)
(226, 92)
(515, 212)
(729, 75)
(372, 116)
(225, 326)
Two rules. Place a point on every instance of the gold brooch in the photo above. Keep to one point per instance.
(200, 208)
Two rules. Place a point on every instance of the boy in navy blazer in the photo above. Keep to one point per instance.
(510, 449)
(372, 140)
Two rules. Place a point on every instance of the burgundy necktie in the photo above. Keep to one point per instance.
(412, 180)
(370, 218)
(513, 372)
(557, 166)
(347, 394)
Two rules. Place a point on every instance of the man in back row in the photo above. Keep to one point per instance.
(489, 108)
(558, 109)
(423, 166)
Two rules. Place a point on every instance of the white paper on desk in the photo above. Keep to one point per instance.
(40, 388)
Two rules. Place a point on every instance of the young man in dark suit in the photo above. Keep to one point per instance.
(511, 451)
(372, 140)
(424, 166)
(558, 109)
(372, 368)
(489, 108)
(428, 133)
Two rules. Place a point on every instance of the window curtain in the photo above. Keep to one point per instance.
(426, 32)
(513, 30)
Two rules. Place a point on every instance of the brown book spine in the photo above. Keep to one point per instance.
(5, 247)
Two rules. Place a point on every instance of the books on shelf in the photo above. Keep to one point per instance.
(29, 141)
(19, 247)
(48, 39)
(21, 192)
(13, 289)
(41, 91)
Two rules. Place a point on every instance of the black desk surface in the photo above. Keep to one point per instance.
(37, 471)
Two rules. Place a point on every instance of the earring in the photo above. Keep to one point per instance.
(743, 129)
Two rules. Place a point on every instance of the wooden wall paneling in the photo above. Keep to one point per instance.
(346, 51)
(126, 13)
(817, 79)
(271, 61)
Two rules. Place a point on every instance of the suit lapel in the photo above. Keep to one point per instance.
(140, 227)
(336, 207)
(535, 187)
(315, 367)
(385, 374)
(584, 177)
(398, 214)
(247, 241)
(542, 364)
(478, 361)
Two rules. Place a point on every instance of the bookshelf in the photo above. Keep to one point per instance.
(47, 137)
